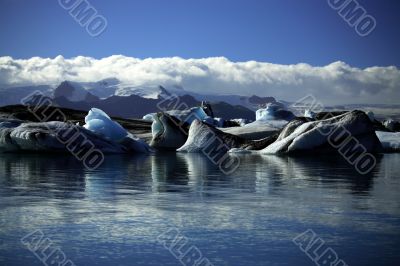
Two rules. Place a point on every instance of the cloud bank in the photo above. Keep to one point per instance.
(331, 84)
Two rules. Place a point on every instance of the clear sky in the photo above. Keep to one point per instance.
(276, 31)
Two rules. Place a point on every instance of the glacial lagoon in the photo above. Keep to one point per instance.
(116, 213)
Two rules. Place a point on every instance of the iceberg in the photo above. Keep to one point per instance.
(168, 132)
(302, 136)
(189, 115)
(274, 111)
(309, 114)
(391, 125)
(101, 124)
(60, 137)
(203, 136)
(170, 129)
(149, 117)
(390, 140)
(99, 132)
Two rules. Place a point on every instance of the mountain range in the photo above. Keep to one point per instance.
(128, 101)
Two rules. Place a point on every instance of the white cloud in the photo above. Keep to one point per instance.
(333, 83)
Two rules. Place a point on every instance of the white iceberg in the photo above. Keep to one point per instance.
(101, 124)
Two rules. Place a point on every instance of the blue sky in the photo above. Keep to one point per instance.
(276, 31)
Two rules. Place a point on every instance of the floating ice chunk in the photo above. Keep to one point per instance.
(274, 111)
(149, 117)
(317, 135)
(59, 136)
(392, 125)
(167, 132)
(309, 114)
(279, 145)
(203, 137)
(390, 140)
(101, 124)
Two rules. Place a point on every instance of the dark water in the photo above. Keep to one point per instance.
(112, 216)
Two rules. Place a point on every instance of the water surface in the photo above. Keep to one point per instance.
(112, 216)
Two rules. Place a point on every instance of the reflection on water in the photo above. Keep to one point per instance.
(113, 215)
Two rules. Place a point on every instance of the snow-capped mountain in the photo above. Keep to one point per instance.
(148, 92)
(73, 92)
(103, 89)
(129, 100)
(79, 91)
(109, 87)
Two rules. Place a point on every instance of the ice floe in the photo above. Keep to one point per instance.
(390, 140)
